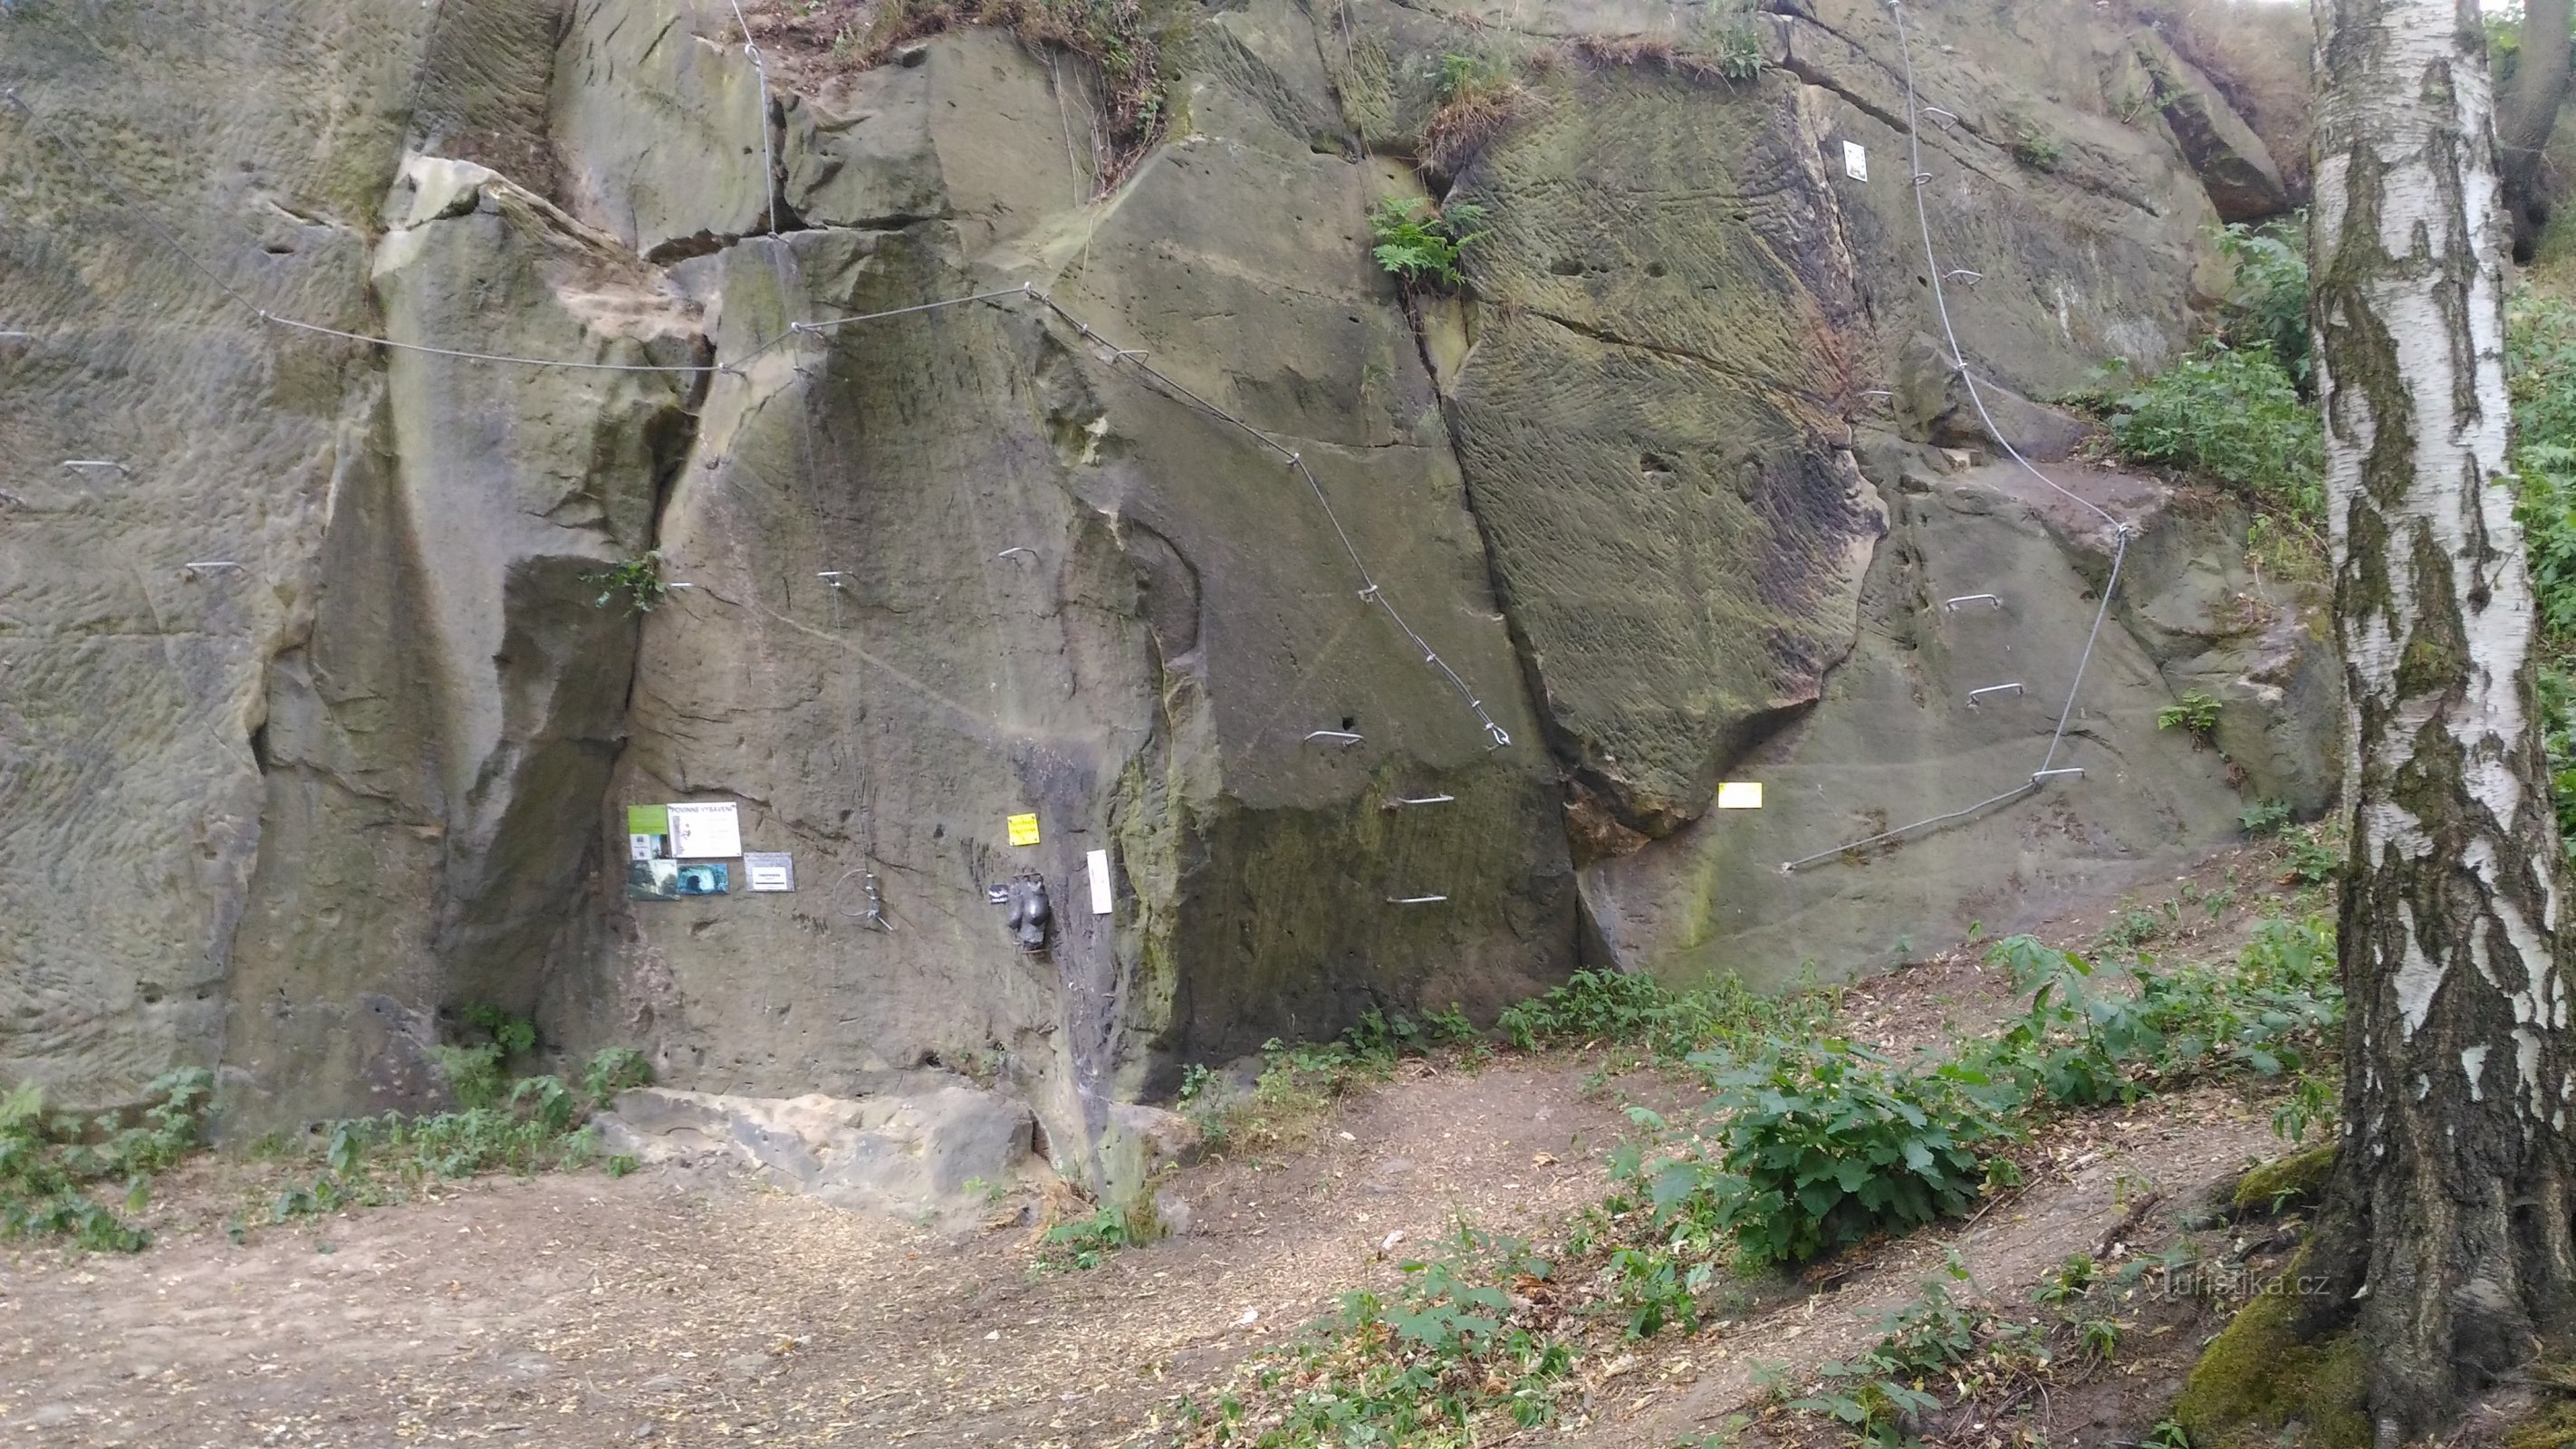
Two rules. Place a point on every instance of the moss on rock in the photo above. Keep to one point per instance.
(2300, 1177)
(2258, 1378)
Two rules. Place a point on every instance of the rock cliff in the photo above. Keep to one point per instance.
(313, 723)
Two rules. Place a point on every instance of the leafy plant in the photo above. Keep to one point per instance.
(2311, 1101)
(612, 1070)
(503, 1124)
(2314, 861)
(2196, 713)
(2269, 303)
(2079, 1045)
(2031, 143)
(637, 580)
(1087, 1242)
(516, 1036)
(1420, 245)
(2234, 415)
(1820, 1143)
(2264, 817)
(53, 1165)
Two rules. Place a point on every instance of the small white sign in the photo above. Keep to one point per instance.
(705, 830)
(1740, 795)
(643, 847)
(1855, 161)
(1101, 899)
(769, 870)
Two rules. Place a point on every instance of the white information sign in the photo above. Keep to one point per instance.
(707, 830)
(1739, 795)
(1101, 897)
(769, 870)
(1855, 161)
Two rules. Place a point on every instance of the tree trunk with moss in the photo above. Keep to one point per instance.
(2447, 1239)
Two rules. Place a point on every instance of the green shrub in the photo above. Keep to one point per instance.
(2231, 414)
(2269, 304)
(51, 1165)
(612, 1070)
(1419, 245)
(2079, 1045)
(1820, 1143)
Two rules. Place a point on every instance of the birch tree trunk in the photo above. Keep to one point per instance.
(2448, 1233)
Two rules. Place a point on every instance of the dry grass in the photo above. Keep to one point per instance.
(1476, 95)
(1655, 52)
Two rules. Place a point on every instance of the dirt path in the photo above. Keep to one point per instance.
(580, 1310)
(668, 1309)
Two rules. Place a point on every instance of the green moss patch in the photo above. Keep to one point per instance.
(2298, 1179)
(2258, 1379)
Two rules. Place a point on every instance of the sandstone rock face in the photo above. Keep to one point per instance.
(2243, 181)
(919, 1156)
(1641, 498)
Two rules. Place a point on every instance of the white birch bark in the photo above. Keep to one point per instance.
(2449, 1195)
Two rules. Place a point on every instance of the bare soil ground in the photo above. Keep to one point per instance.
(671, 1309)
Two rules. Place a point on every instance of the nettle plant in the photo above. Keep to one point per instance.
(1816, 1145)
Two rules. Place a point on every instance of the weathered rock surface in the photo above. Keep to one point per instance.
(2237, 168)
(1897, 740)
(943, 567)
(921, 1155)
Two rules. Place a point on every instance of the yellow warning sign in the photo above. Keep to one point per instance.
(1024, 829)
(1740, 795)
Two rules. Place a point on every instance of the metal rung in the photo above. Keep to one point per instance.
(1941, 118)
(1414, 900)
(1922, 178)
(832, 577)
(207, 565)
(1017, 548)
(1403, 800)
(98, 463)
(1953, 604)
(1344, 738)
(1973, 694)
(679, 586)
(1963, 276)
(2038, 775)
(1876, 392)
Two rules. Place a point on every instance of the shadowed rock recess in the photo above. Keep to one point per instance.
(1662, 487)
